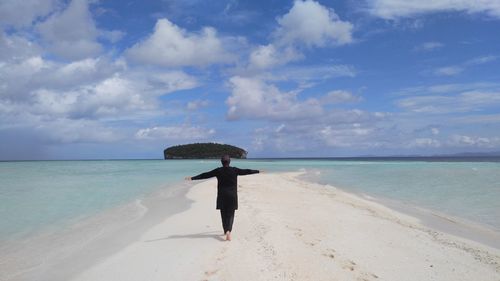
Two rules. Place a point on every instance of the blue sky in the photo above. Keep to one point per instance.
(87, 79)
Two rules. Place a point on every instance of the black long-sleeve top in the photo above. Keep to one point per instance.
(227, 183)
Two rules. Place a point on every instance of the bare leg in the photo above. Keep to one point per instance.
(228, 236)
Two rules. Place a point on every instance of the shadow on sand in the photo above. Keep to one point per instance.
(202, 235)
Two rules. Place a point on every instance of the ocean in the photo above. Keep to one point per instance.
(38, 195)
(51, 210)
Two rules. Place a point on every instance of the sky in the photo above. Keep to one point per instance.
(114, 79)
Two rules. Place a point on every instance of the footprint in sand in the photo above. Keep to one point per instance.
(209, 273)
(329, 253)
(313, 243)
(364, 276)
(349, 265)
(367, 277)
(296, 231)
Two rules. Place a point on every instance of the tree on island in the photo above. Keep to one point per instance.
(203, 151)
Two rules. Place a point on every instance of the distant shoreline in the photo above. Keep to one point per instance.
(493, 158)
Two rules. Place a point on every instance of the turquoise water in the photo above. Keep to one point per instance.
(469, 190)
(38, 194)
(44, 193)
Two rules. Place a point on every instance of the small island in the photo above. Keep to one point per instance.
(203, 151)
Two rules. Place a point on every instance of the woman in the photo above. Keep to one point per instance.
(227, 195)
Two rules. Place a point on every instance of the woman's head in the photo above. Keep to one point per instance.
(225, 160)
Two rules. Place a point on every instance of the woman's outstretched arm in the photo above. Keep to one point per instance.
(243, 172)
(202, 176)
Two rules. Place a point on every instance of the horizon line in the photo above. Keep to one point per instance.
(458, 155)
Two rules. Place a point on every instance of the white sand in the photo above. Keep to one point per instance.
(287, 229)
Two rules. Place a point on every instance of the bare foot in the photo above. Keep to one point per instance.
(228, 236)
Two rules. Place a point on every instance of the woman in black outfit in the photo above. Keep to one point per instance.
(227, 195)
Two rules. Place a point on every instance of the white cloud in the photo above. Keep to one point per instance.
(464, 102)
(311, 24)
(301, 120)
(335, 129)
(304, 124)
(77, 131)
(121, 96)
(164, 82)
(456, 69)
(480, 98)
(112, 36)
(183, 132)
(393, 9)
(254, 99)
(313, 73)
(308, 24)
(197, 104)
(305, 75)
(268, 56)
(474, 141)
(20, 119)
(344, 136)
(341, 70)
(113, 97)
(264, 56)
(170, 45)
(15, 78)
(80, 100)
(448, 71)
(339, 96)
(449, 88)
(75, 73)
(23, 13)
(14, 48)
(429, 46)
(71, 33)
(481, 119)
(20, 78)
(424, 143)
(73, 102)
(481, 60)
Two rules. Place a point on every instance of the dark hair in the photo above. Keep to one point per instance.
(225, 160)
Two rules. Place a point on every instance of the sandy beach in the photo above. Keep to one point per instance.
(289, 229)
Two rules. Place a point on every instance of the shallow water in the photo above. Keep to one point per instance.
(40, 194)
(469, 190)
